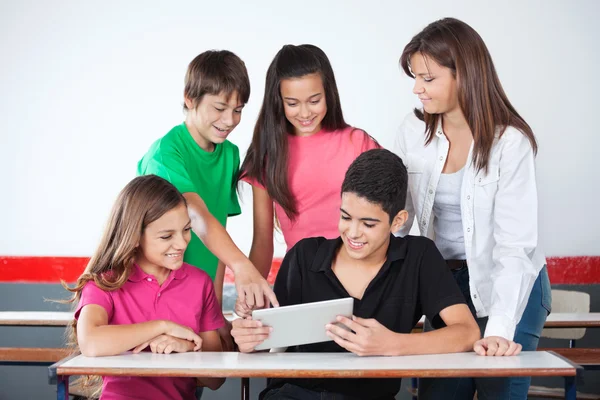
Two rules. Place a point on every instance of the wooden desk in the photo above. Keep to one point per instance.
(313, 365)
(560, 320)
(42, 318)
(35, 318)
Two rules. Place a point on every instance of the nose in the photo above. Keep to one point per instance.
(181, 242)
(354, 230)
(227, 117)
(304, 111)
(418, 87)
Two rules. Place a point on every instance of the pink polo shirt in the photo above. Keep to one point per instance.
(317, 166)
(187, 297)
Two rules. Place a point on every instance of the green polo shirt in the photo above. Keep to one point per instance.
(177, 158)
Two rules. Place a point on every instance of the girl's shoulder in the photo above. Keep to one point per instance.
(194, 273)
(412, 125)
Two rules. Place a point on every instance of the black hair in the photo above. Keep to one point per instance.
(380, 177)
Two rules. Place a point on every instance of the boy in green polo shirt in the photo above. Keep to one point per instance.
(196, 156)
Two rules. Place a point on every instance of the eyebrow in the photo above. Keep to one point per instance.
(361, 219)
(293, 98)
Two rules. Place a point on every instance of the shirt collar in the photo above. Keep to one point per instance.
(137, 274)
(326, 252)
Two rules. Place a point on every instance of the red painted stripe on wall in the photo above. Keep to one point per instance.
(577, 270)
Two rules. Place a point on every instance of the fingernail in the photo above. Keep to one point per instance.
(327, 326)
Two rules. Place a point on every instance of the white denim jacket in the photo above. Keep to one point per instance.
(499, 213)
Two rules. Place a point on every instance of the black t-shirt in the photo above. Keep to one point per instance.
(414, 281)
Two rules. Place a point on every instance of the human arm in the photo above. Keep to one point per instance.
(251, 287)
(437, 296)
(261, 252)
(211, 341)
(97, 338)
(370, 338)
(515, 232)
(249, 333)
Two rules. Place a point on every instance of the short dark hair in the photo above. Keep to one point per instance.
(380, 177)
(214, 72)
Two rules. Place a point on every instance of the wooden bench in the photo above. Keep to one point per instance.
(587, 358)
(32, 355)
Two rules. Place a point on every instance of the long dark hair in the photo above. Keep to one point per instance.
(455, 45)
(270, 139)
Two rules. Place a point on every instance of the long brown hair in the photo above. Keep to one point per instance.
(272, 128)
(144, 200)
(455, 45)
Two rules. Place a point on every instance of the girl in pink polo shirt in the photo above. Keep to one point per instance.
(300, 151)
(137, 293)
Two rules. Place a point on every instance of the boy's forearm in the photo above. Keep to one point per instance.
(451, 339)
(213, 234)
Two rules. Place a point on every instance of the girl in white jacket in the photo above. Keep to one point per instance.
(472, 189)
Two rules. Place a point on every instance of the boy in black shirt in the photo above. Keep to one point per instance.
(393, 280)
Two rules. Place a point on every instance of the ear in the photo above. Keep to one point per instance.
(399, 220)
(189, 103)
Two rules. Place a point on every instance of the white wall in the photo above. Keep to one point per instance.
(87, 86)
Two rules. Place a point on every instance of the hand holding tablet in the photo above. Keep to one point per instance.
(290, 325)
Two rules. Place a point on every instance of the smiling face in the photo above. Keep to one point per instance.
(435, 85)
(164, 241)
(213, 118)
(364, 228)
(304, 103)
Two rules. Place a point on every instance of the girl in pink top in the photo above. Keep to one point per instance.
(137, 293)
(299, 153)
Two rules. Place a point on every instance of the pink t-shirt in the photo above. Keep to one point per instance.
(187, 297)
(316, 168)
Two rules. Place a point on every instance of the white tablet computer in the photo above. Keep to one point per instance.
(302, 323)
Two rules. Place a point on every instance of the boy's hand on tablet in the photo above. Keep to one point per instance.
(369, 337)
(249, 333)
(242, 309)
(167, 344)
(496, 346)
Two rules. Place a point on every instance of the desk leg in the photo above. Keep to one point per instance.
(570, 388)
(62, 387)
(245, 388)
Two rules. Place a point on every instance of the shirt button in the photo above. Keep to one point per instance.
(480, 180)
(474, 296)
(159, 295)
(469, 197)
(441, 158)
(468, 229)
(430, 191)
(149, 279)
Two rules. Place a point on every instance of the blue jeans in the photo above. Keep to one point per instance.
(527, 334)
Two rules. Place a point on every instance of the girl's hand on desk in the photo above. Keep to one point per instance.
(183, 332)
(496, 346)
(167, 344)
(248, 334)
(369, 337)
